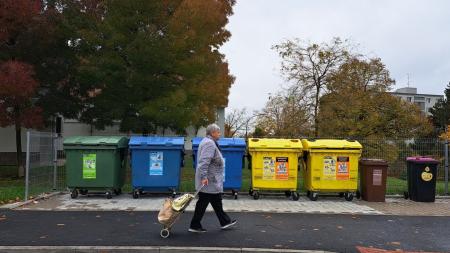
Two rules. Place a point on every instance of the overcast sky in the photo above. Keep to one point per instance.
(409, 36)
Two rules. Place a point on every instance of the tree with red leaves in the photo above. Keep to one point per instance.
(17, 89)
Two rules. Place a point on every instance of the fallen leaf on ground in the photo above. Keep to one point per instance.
(316, 229)
(340, 227)
(263, 231)
(98, 216)
(394, 243)
(43, 237)
(60, 224)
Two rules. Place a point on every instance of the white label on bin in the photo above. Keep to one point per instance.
(224, 167)
(329, 168)
(156, 164)
(377, 177)
(268, 168)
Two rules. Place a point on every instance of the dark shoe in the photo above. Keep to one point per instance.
(197, 230)
(232, 223)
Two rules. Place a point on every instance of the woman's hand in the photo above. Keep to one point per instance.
(205, 181)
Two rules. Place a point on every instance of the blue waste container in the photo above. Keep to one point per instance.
(233, 151)
(156, 164)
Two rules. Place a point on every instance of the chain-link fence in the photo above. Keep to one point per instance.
(43, 173)
(46, 172)
(395, 153)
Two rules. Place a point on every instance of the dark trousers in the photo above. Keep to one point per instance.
(216, 202)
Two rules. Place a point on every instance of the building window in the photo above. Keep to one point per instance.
(408, 99)
(428, 100)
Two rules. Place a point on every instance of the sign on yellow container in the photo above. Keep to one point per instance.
(274, 164)
(331, 166)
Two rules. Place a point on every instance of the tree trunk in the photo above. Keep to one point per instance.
(20, 167)
(316, 112)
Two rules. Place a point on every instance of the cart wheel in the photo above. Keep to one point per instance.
(295, 196)
(358, 194)
(341, 195)
(109, 195)
(174, 195)
(313, 196)
(250, 192)
(84, 192)
(348, 196)
(406, 195)
(74, 194)
(165, 233)
(308, 193)
(287, 194)
(118, 191)
(255, 195)
(135, 194)
(141, 192)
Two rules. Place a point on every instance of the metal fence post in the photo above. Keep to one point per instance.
(446, 165)
(27, 167)
(55, 160)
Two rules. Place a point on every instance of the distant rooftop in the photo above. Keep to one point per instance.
(412, 91)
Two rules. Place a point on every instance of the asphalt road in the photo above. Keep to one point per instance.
(338, 233)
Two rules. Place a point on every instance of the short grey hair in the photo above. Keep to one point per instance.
(212, 128)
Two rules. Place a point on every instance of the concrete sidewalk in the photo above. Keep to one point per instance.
(269, 204)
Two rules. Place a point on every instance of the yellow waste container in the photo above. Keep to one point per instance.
(274, 164)
(331, 167)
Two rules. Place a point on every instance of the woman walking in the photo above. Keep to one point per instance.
(209, 179)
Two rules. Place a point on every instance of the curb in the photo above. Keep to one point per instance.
(24, 203)
(142, 249)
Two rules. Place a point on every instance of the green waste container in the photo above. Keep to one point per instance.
(95, 164)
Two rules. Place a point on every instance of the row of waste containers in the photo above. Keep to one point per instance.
(98, 165)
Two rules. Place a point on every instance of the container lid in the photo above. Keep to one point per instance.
(96, 141)
(264, 143)
(421, 159)
(330, 144)
(223, 142)
(374, 162)
(156, 141)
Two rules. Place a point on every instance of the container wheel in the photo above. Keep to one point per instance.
(341, 195)
(255, 195)
(250, 192)
(136, 194)
(164, 233)
(308, 193)
(141, 192)
(83, 192)
(295, 196)
(358, 194)
(313, 196)
(74, 194)
(109, 195)
(406, 195)
(118, 191)
(235, 194)
(174, 195)
(287, 194)
(348, 196)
